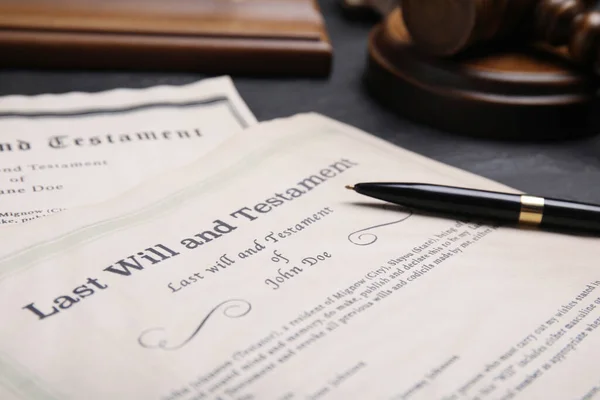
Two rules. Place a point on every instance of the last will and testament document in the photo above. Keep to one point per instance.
(258, 276)
(69, 150)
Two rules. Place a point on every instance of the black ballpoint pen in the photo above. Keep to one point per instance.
(486, 205)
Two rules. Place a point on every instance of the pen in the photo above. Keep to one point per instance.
(482, 204)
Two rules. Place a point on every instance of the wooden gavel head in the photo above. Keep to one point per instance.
(447, 27)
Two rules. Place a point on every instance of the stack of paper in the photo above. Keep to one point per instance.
(252, 273)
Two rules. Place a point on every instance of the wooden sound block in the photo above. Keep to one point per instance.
(212, 36)
(501, 92)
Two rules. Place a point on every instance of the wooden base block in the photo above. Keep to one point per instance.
(500, 92)
(211, 36)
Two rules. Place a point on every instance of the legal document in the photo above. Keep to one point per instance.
(75, 149)
(254, 274)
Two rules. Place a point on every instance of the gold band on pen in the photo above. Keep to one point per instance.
(532, 210)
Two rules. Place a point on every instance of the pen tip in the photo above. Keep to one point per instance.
(349, 187)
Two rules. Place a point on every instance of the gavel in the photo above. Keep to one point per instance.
(447, 27)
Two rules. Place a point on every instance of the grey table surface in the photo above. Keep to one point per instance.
(567, 169)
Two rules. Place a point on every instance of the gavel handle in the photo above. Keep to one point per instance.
(570, 23)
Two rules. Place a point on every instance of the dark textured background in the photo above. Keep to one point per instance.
(564, 169)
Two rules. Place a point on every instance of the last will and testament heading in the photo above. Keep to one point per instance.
(159, 253)
(60, 142)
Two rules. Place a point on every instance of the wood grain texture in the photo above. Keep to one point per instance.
(221, 36)
(507, 92)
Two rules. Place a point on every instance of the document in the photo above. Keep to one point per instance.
(69, 150)
(259, 276)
